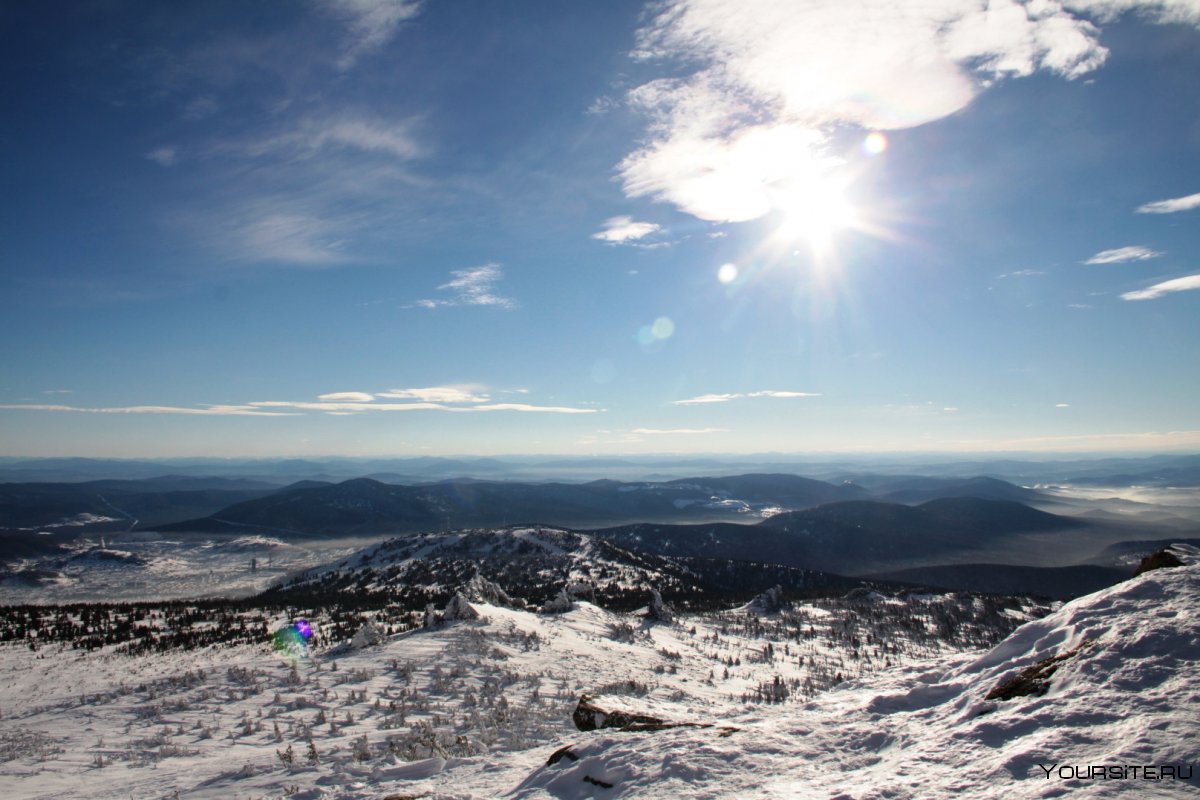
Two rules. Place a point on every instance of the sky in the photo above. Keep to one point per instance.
(361, 227)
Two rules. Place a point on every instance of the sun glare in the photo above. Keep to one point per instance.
(813, 211)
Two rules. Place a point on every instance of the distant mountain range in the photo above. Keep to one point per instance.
(363, 505)
(897, 527)
(1161, 470)
(848, 537)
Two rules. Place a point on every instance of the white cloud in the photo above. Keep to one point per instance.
(1022, 273)
(453, 399)
(764, 82)
(344, 408)
(348, 397)
(724, 398)
(783, 394)
(163, 156)
(678, 431)
(471, 287)
(1184, 11)
(529, 408)
(1123, 254)
(706, 398)
(371, 24)
(439, 394)
(1062, 405)
(618, 230)
(249, 410)
(1184, 284)
(1171, 206)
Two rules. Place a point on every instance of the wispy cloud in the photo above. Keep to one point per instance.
(371, 24)
(346, 397)
(249, 410)
(288, 237)
(439, 394)
(765, 85)
(1184, 284)
(471, 287)
(530, 408)
(619, 230)
(462, 398)
(1172, 206)
(1123, 254)
(453, 399)
(163, 156)
(678, 431)
(316, 190)
(306, 137)
(725, 398)
(1022, 273)
(345, 408)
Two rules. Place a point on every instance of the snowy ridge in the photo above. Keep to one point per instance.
(531, 564)
(1129, 698)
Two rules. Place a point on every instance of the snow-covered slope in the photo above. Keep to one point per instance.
(1126, 695)
(475, 709)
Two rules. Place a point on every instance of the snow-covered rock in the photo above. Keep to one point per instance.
(459, 609)
(368, 635)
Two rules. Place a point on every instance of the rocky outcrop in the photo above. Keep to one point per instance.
(769, 602)
(593, 714)
(658, 610)
(1161, 560)
(459, 609)
(480, 590)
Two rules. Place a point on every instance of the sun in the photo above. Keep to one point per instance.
(813, 210)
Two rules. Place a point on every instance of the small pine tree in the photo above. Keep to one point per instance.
(286, 757)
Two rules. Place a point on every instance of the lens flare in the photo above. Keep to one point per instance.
(727, 273)
(874, 144)
(291, 641)
(660, 330)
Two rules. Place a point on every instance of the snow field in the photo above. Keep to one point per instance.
(474, 709)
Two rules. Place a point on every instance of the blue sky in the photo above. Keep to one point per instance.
(405, 228)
